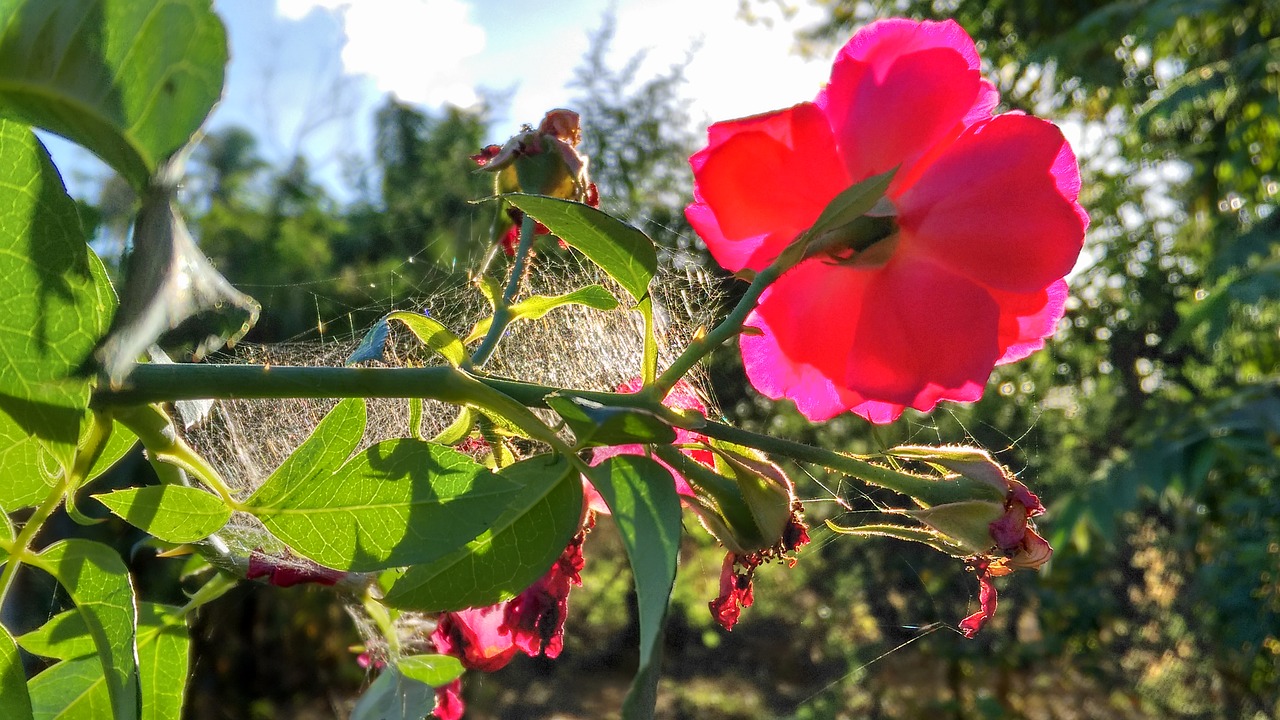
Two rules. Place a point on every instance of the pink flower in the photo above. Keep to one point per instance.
(449, 704)
(983, 224)
(681, 397)
(536, 616)
(479, 637)
(1019, 546)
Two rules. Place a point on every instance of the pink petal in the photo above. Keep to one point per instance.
(920, 333)
(449, 704)
(883, 41)
(761, 181)
(1026, 320)
(804, 323)
(898, 90)
(999, 206)
(986, 598)
(478, 637)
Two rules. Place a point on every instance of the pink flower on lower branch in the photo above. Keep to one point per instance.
(977, 229)
(681, 397)
(487, 638)
(1019, 547)
(736, 591)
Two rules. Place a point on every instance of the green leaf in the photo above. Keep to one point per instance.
(852, 203)
(76, 687)
(164, 656)
(428, 330)
(172, 513)
(64, 636)
(596, 424)
(400, 502)
(98, 582)
(331, 443)
(534, 307)
(31, 470)
(71, 690)
(392, 696)
(434, 670)
(646, 509)
(510, 555)
(622, 251)
(57, 300)
(15, 703)
(129, 79)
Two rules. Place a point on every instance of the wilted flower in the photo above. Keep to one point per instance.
(544, 161)
(959, 268)
(289, 570)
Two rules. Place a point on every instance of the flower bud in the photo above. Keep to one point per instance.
(544, 161)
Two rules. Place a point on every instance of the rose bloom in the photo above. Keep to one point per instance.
(984, 222)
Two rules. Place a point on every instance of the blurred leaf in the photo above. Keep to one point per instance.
(392, 696)
(129, 79)
(15, 703)
(64, 636)
(56, 304)
(71, 690)
(428, 330)
(534, 307)
(76, 687)
(172, 290)
(646, 509)
(172, 513)
(400, 502)
(512, 553)
(434, 670)
(596, 424)
(98, 582)
(625, 253)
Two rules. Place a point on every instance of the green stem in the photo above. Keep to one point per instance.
(157, 434)
(502, 312)
(930, 490)
(20, 550)
(728, 328)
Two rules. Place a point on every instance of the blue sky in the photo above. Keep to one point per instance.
(306, 75)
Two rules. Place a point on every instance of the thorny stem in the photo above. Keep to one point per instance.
(152, 383)
(502, 312)
(931, 490)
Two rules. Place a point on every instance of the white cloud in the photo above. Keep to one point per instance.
(417, 49)
(739, 69)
